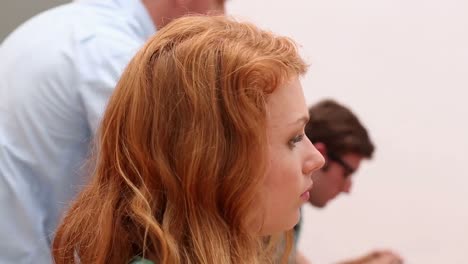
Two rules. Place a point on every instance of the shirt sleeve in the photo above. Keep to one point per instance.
(101, 66)
(22, 239)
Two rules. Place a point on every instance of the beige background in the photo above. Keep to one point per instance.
(402, 65)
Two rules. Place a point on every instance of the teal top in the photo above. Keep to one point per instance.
(139, 260)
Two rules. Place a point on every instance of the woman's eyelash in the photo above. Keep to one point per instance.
(296, 139)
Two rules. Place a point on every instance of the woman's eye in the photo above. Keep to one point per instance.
(296, 139)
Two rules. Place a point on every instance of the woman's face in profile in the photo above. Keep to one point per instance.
(291, 159)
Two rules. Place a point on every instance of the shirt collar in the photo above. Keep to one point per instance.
(140, 14)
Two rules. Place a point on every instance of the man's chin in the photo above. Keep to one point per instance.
(318, 204)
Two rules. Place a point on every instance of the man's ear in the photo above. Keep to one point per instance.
(322, 148)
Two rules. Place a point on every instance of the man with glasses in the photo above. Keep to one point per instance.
(344, 142)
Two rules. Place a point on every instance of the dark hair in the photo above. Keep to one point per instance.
(339, 129)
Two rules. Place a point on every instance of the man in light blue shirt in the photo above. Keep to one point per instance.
(57, 72)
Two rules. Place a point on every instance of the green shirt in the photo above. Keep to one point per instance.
(139, 260)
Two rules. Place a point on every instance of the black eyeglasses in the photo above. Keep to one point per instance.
(347, 168)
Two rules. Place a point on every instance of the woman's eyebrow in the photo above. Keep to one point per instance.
(302, 120)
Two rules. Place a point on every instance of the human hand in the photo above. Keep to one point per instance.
(301, 259)
(377, 257)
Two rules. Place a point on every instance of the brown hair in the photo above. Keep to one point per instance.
(181, 149)
(339, 129)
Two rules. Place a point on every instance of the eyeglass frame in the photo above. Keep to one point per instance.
(349, 170)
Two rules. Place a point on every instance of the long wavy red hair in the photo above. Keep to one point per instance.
(181, 150)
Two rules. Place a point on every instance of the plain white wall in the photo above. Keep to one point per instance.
(402, 66)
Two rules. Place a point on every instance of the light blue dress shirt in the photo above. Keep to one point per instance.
(57, 72)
